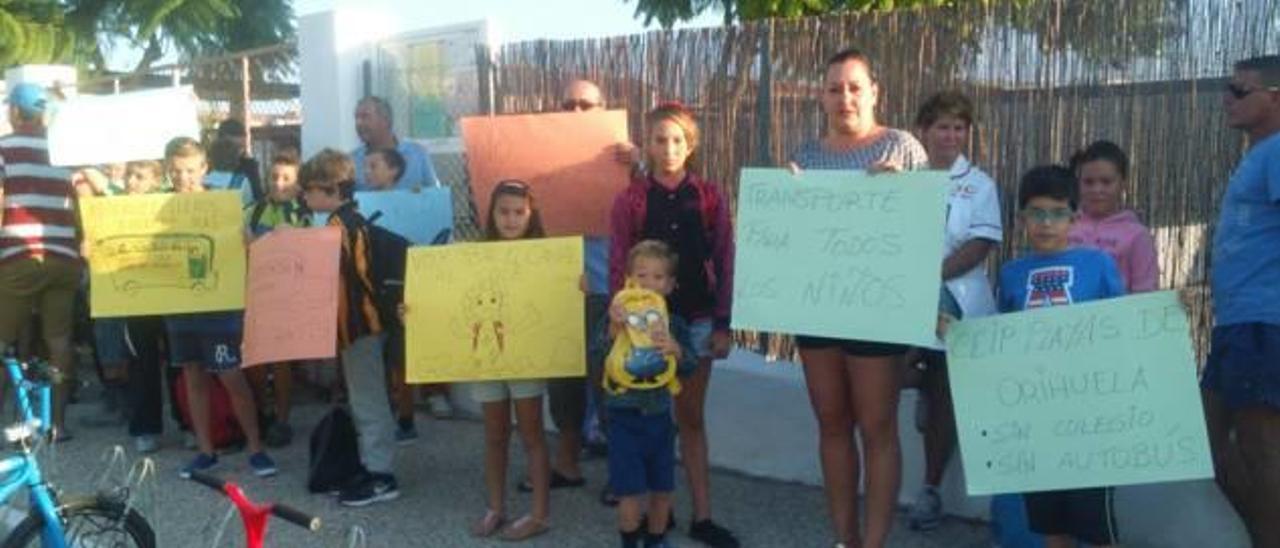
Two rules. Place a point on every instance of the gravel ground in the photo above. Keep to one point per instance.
(441, 493)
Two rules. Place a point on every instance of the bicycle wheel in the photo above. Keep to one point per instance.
(88, 521)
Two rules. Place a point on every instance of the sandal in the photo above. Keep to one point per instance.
(558, 481)
(524, 528)
(487, 525)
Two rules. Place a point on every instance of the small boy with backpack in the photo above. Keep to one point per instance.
(327, 181)
(280, 207)
(650, 348)
(383, 168)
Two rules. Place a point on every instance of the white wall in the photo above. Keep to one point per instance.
(760, 423)
(333, 46)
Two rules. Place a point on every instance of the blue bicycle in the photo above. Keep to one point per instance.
(54, 521)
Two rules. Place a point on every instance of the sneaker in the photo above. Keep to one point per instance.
(203, 462)
(279, 434)
(406, 434)
(360, 477)
(712, 534)
(925, 513)
(659, 542)
(262, 465)
(146, 444)
(607, 497)
(375, 488)
(440, 406)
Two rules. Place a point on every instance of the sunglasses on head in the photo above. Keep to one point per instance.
(326, 190)
(578, 104)
(513, 184)
(329, 190)
(1240, 92)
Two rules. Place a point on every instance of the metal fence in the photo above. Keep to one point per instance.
(1048, 77)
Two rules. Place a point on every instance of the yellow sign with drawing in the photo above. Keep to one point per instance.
(164, 253)
(497, 310)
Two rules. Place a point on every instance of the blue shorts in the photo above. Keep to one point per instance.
(111, 341)
(210, 339)
(1086, 515)
(700, 337)
(642, 452)
(1244, 365)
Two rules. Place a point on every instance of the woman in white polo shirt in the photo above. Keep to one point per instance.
(973, 231)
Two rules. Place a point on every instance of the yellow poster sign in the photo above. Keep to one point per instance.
(497, 310)
(164, 253)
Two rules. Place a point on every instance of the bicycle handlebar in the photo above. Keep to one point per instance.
(282, 511)
(213, 482)
(296, 517)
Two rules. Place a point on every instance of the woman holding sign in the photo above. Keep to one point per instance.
(855, 382)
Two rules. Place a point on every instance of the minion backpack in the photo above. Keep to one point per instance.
(635, 362)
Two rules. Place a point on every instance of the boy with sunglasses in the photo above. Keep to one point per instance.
(328, 186)
(1054, 274)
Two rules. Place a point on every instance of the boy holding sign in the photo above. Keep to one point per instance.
(208, 344)
(1053, 274)
(383, 168)
(327, 182)
(280, 207)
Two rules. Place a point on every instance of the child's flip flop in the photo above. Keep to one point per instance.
(558, 481)
(524, 528)
(487, 525)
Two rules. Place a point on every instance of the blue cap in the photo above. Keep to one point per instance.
(29, 98)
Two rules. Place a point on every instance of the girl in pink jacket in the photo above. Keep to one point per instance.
(1102, 170)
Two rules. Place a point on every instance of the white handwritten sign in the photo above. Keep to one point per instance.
(840, 254)
(1096, 394)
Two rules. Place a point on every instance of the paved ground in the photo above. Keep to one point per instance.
(441, 493)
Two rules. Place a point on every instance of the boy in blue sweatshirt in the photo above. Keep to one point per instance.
(1054, 274)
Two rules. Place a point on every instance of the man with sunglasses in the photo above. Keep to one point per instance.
(373, 126)
(1242, 377)
(568, 397)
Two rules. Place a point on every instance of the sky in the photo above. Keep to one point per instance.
(515, 20)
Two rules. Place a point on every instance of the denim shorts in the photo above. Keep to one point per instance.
(700, 337)
(111, 341)
(642, 452)
(1244, 365)
(495, 391)
(209, 339)
(1086, 515)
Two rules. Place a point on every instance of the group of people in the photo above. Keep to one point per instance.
(671, 234)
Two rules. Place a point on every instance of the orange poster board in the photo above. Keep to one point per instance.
(567, 157)
(291, 308)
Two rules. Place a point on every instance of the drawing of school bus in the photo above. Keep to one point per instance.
(155, 261)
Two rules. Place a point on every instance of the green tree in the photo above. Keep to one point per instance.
(85, 31)
(33, 31)
(668, 12)
(1100, 31)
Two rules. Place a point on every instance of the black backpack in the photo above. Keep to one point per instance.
(334, 454)
(388, 255)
